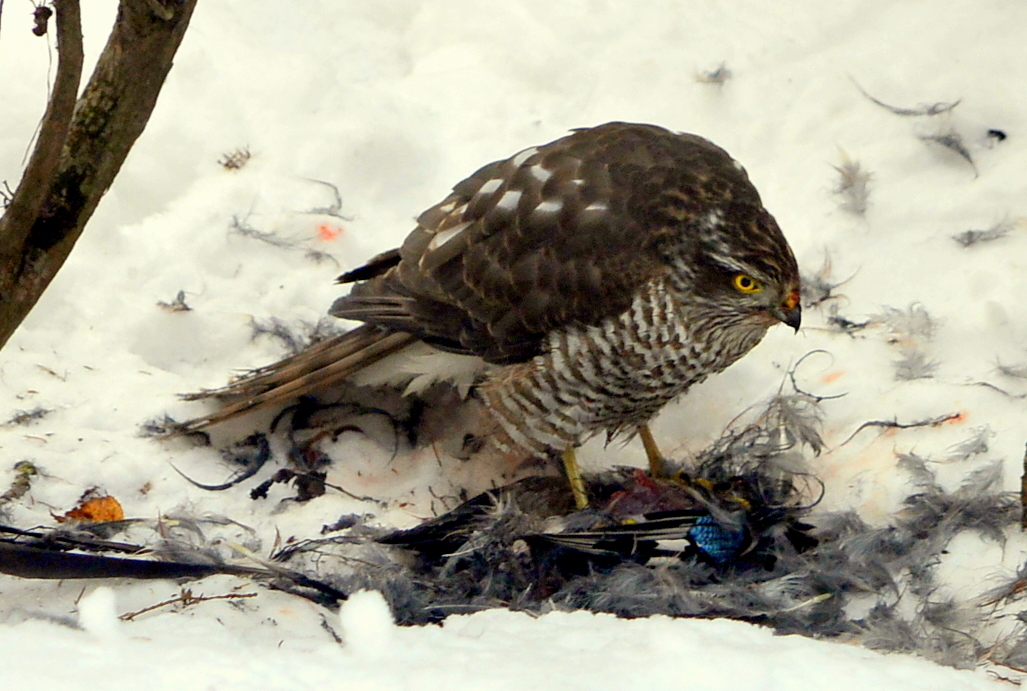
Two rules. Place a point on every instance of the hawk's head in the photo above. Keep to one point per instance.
(737, 266)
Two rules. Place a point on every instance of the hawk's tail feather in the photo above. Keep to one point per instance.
(313, 357)
(316, 367)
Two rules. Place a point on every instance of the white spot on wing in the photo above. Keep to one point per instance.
(549, 206)
(445, 236)
(523, 156)
(508, 202)
(540, 173)
(490, 186)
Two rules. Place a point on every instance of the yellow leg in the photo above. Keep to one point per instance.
(657, 466)
(570, 466)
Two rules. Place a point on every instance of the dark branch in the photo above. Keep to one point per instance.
(74, 165)
(42, 166)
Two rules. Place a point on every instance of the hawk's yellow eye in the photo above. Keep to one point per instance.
(747, 284)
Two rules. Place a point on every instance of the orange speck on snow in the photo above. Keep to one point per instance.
(327, 231)
(832, 376)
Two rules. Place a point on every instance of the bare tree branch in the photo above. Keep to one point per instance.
(35, 183)
(56, 197)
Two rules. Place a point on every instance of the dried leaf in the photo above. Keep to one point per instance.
(95, 510)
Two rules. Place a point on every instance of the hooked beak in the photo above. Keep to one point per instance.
(789, 311)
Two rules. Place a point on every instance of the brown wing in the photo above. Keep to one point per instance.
(561, 234)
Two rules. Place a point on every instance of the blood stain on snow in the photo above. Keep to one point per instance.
(328, 232)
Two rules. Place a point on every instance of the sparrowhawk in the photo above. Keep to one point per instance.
(580, 285)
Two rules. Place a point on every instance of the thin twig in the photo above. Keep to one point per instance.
(185, 598)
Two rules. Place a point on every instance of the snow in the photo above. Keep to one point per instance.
(394, 102)
(367, 626)
(97, 614)
(495, 649)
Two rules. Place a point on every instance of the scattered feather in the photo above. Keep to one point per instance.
(975, 445)
(853, 186)
(841, 324)
(733, 533)
(166, 426)
(295, 338)
(249, 455)
(335, 208)
(918, 470)
(912, 323)
(176, 305)
(911, 330)
(278, 330)
(953, 142)
(24, 474)
(818, 288)
(968, 238)
(27, 417)
(793, 420)
(1013, 371)
(798, 390)
(235, 160)
(895, 424)
(241, 226)
(1015, 657)
(923, 109)
(718, 76)
(999, 389)
(914, 364)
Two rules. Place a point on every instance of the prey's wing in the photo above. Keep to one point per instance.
(670, 533)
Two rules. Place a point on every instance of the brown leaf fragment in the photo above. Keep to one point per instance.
(95, 510)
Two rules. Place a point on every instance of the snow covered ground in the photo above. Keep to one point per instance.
(394, 102)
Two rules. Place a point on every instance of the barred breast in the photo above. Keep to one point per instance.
(613, 376)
